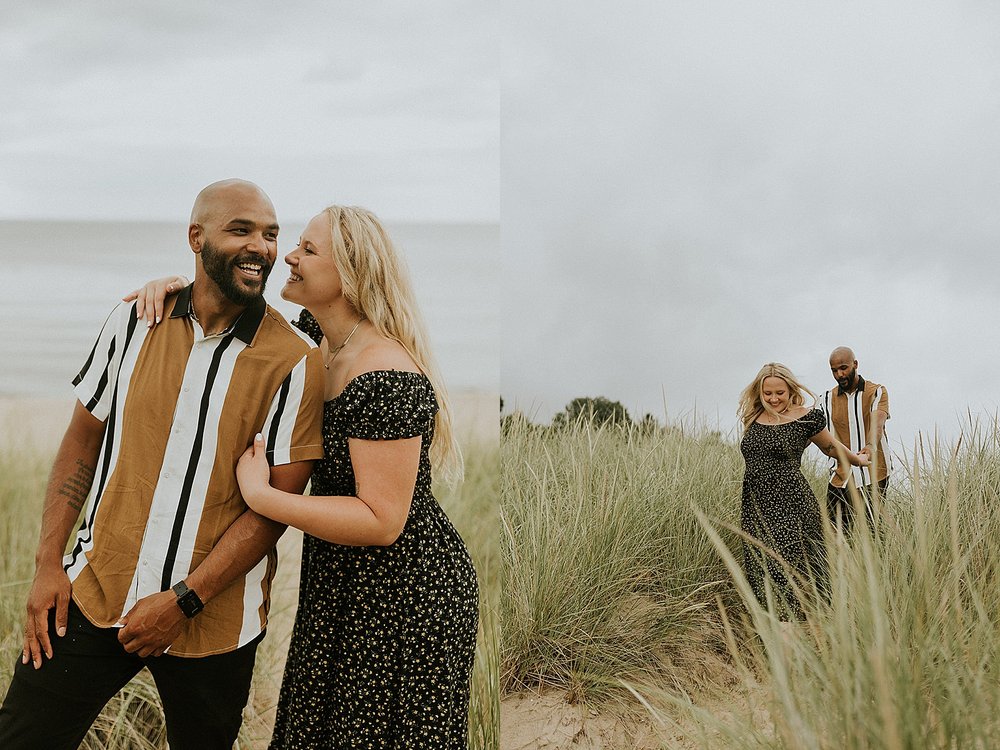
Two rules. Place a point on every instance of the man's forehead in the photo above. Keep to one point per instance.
(227, 202)
(252, 223)
(251, 210)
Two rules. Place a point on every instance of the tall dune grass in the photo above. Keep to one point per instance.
(133, 720)
(903, 655)
(607, 573)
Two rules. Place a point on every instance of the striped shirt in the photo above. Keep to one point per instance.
(179, 409)
(851, 418)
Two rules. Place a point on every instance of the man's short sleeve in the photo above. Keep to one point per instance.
(95, 384)
(883, 402)
(822, 405)
(293, 429)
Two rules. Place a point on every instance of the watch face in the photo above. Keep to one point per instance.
(189, 603)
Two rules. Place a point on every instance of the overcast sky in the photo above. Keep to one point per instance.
(690, 190)
(120, 109)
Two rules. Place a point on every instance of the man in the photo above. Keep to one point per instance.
(168, 555)
(856, 412)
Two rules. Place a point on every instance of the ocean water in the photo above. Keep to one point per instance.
(59, 281)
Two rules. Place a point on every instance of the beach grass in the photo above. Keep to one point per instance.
(623, 583)
(607, 573)
(134, 719)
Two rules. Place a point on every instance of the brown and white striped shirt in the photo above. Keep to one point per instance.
(179, 409)
(851, 418)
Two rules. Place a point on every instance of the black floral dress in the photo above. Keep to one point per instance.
(382, 648)
(780, 509)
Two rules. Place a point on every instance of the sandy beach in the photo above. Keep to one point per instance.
(38, 423)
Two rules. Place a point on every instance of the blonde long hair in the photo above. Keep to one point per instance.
(376, 283)
(751, 399)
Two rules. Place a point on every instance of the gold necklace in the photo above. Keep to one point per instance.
(336, 350)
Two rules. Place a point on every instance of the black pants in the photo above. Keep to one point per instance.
(838, 503)
(53, 707)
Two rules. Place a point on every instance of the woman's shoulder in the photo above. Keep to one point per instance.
(386, 396)
(814, 420)
(380, 355)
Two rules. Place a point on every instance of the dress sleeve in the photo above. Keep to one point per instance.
(815, 422)
(389, 405)
(308, 325)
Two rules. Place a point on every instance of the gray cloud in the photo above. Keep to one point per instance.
(682, 181)
(109, 103)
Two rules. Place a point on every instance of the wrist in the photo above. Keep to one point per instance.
(46, 558)
(187, 600)
(257, 497)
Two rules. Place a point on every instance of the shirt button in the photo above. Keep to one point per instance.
(166, 475)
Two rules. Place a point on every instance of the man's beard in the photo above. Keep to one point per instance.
(849, 379)
(222, 271)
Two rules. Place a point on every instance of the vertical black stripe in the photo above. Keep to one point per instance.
(103, 382)
(86, 365)
(192, 468)
(96, 398)
(272, 434)
(828, 403)
(860, 424)
(109, 442)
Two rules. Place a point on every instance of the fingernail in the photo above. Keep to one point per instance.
(157, 318)
(24, 658)
(149, 324)
(61, 631)
(259, 437)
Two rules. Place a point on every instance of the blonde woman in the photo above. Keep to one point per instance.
(779, 508)
(382, 648)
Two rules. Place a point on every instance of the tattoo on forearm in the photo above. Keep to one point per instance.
(77, 486)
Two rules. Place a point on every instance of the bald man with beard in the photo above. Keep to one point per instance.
(856, 412)
(170, 571)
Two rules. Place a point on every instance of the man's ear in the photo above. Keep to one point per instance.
(195, 237)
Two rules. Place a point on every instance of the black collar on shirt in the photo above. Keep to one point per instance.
(246, 325)
(860, 386)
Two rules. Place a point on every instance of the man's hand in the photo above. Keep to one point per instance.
(152, 624)
(51, 588)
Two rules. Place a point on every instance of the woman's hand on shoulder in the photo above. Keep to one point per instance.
(151, 296)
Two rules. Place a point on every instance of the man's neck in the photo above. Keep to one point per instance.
(214, 311)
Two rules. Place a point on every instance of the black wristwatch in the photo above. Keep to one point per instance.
(187, 600)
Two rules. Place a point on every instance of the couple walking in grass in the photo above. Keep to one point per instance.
(171, 569)
(779, 512)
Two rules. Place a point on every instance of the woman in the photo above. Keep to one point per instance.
(382, 648)
(779, 508)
